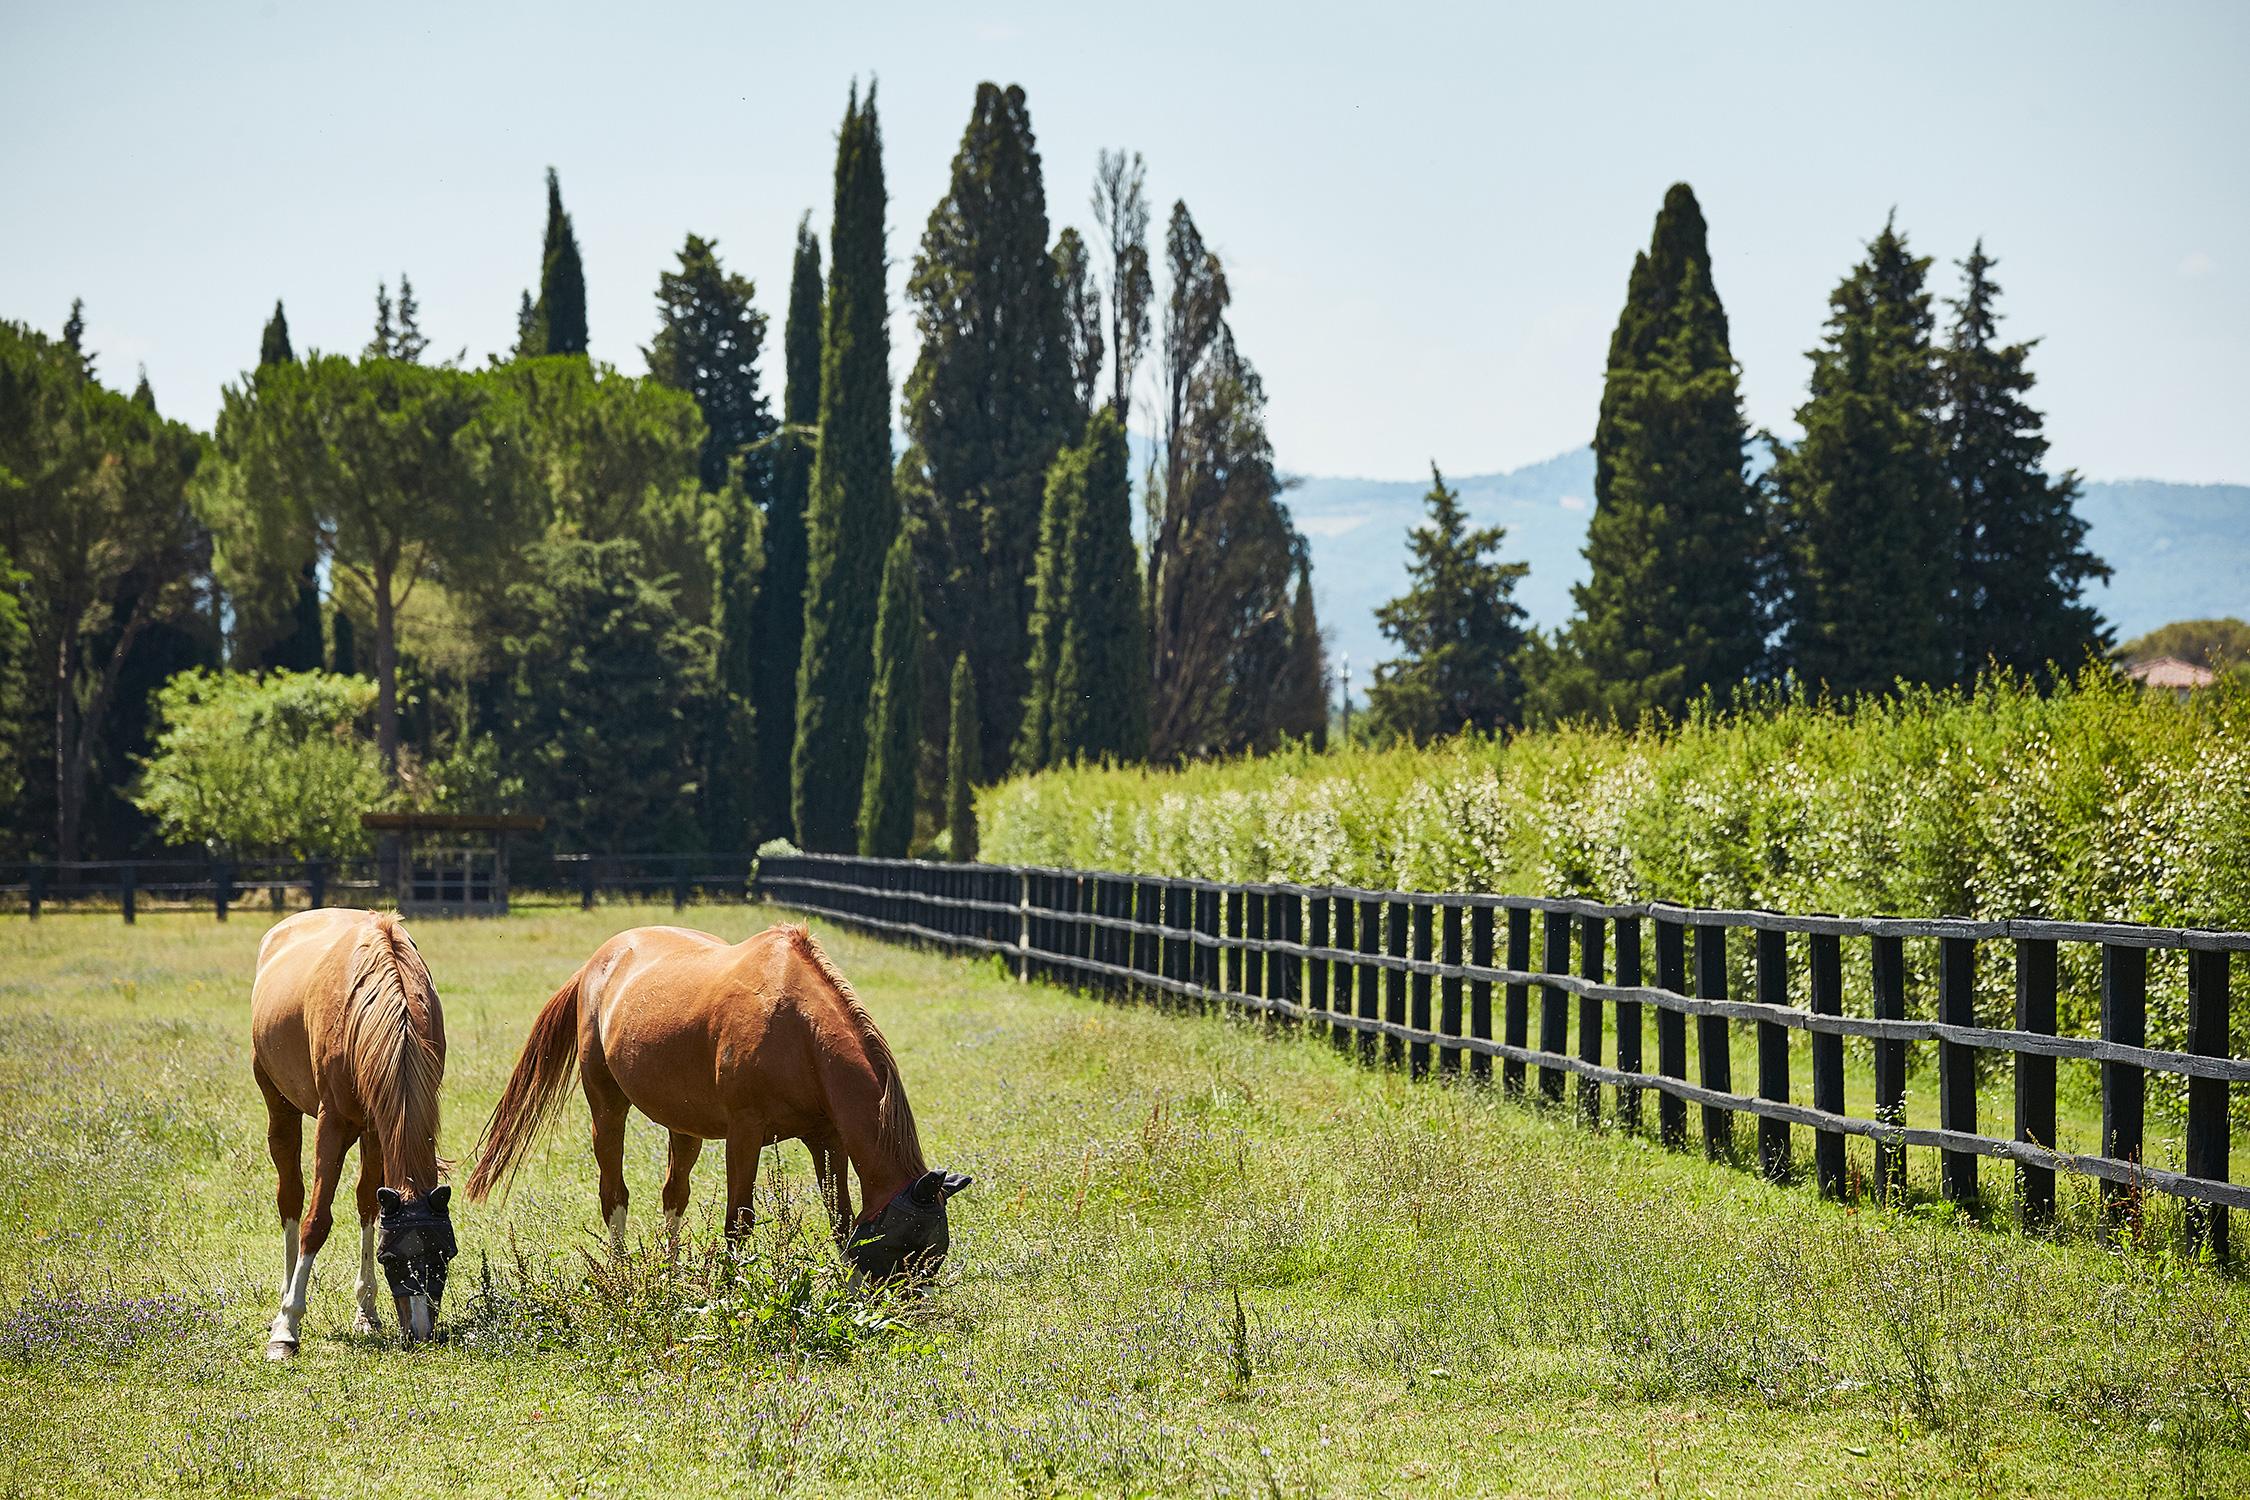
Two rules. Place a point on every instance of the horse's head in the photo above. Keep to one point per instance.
(909, 1235)
(414, 1242)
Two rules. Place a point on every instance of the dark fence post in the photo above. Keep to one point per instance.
(1629, 1020)
(586, 882)
(1023, 927)
(1714, 1042)
(1554, 1015)
(1211, 971)
(2207, 1097)
(1293, 966)
(126, 880)
(1957, 1065)
(679, 885)
(1480, 990)
(1418, 1054)
(1828, 1059)
(1233, 979)
(1254, 907)
(1592, 953)
(1889, 975)
(1515, 1017)
(1317, 970)
(35, 889)
(1671, 1030)
(1394, 983)
(222, 886)
(1773, 1053)
(316, 882)
(1449, 988)
(2124, 1086)
(1370, 977)
(1342, 999)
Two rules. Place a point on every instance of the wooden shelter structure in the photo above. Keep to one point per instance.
(447, 864)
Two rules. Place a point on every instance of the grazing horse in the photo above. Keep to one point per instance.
(345, 1027)
(746, 1043)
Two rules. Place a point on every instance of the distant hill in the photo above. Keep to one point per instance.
(2180, 551)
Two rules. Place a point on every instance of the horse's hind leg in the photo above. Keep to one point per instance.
(679, 1161)
(285, 1143)
(608, 1104)
(370, 1178)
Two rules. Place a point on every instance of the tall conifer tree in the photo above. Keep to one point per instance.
(1088, 693)
(894, 734)
(962, 769)
(556, 323)
(1302, 693)
(1672, 606)
(274, 348)
(990, 400)
(851, 517)
(2023, 558)
(708, 337)
(1871, 526)
(780, 628)
(1458, 628)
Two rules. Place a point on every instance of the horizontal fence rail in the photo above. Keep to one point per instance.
(1412, 978)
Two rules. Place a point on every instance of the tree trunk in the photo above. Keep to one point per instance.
(386, 671)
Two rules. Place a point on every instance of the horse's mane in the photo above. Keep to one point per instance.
(391, 1030)
(894, 1116)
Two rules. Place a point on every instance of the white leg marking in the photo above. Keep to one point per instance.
(420, 1318)
(281, 1341)
(368, 1321)
(617, 1231)
(672, 1227)
(288, 1254)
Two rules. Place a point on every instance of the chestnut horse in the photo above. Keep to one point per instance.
(747, 1043)
(345, 1027)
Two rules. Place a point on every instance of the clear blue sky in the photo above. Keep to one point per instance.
(1427, 213)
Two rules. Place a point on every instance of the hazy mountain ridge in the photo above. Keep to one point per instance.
(2179, 551)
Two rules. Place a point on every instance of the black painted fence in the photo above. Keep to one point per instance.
(1447, 983)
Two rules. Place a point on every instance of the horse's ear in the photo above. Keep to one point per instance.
(929, 1189)
(956, 1181)
(441, 1195)
(389, 1198)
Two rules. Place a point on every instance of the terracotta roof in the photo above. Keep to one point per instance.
(2169, 672)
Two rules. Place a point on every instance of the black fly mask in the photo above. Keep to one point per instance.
(909, 1235)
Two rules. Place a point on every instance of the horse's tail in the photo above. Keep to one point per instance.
(550, 1056)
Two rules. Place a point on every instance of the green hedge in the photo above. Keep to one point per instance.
(2100, 801)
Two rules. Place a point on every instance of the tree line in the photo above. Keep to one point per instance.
(659, 609)
(1910, 535)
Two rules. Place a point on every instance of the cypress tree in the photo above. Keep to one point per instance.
(894, 733)
(850, 517)
(300, 647)
(144, 395)
(1458, 626)
(2023, 556)
(962, 769)
(1088, 669)
(731, 733)
(990, 400)
(1082, 320)
(1671, 608)
(1871, 530)
(343, 654)
(558, 318)
(780, 607)
(708, 336)
(273, 349)
(1302, 694)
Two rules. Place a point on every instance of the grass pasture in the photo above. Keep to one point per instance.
(1199, 1258)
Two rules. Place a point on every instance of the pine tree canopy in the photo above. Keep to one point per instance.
(1082, 314)
(559, 316)
(1870, 524)
(274, 348)
(1458, 629)
(894, 735)
(780, 607)
(991, 398)
(962, 769)
(850, 517)
(1088, 671)
(2023, 558)
(1671, 609)
(709, 332)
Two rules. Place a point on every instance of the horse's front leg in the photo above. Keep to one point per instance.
(370, 1178)
(331, 1139)
(830, 1170)
(285, 1143)
(745, 1139)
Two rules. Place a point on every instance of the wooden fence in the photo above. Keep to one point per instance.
(1445, 983)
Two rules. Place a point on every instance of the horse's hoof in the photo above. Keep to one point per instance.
(365, 1325)
(281, 1349)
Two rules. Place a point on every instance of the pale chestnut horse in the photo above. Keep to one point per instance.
(345, 1027)
(746, 1043)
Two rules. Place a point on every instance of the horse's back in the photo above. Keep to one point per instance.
(301, 967)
